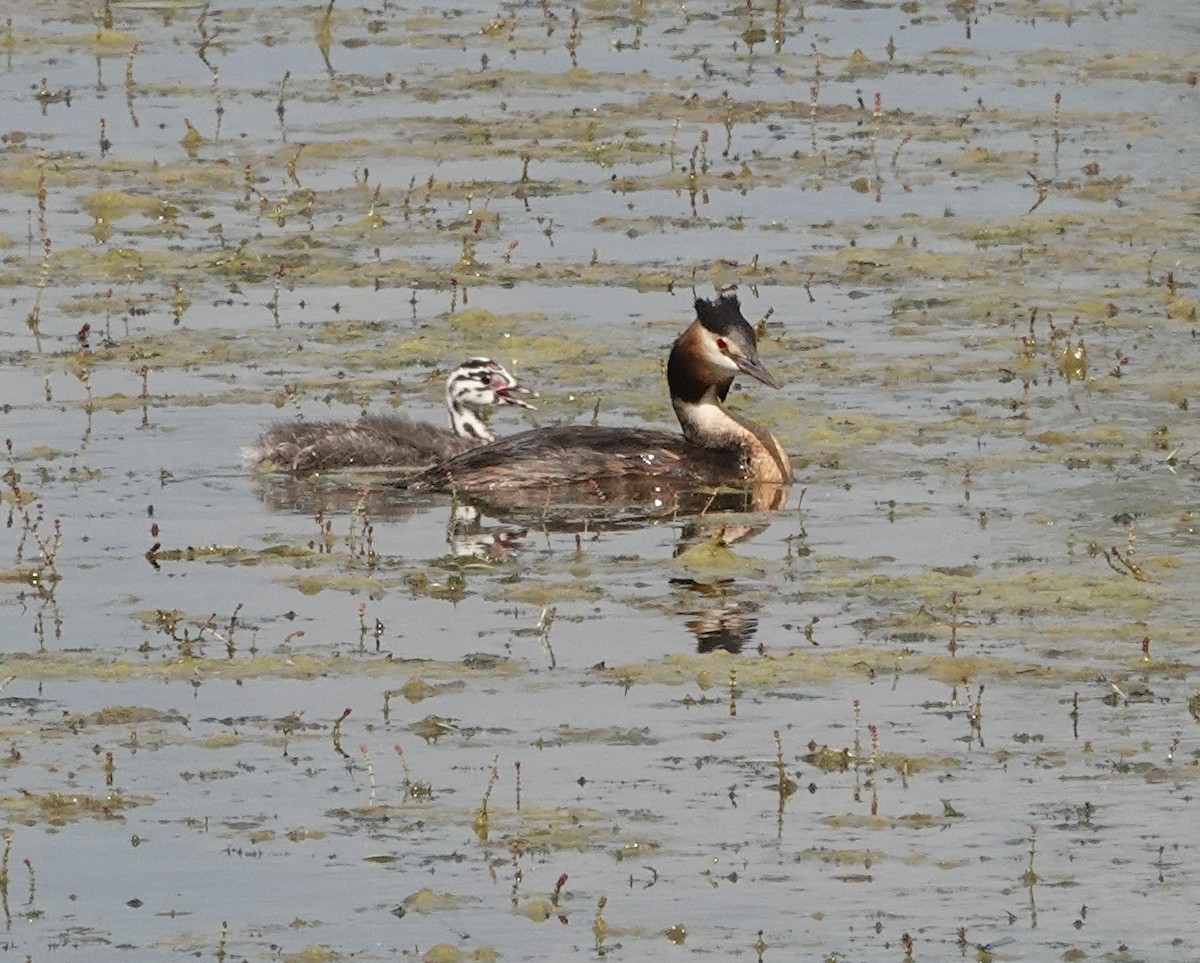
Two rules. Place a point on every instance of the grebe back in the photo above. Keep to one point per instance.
(393, 441)
(716, 447)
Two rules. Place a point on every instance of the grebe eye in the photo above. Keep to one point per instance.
(722, 346)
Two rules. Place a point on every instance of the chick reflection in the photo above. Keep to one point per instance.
(468, 538)
(725, 622)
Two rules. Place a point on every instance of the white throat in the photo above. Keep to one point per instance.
(466, 423)
(706, 422)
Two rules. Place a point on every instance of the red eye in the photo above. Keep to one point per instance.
(721, 345)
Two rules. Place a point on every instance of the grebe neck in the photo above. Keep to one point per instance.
(697, 392)
(707, 424)
(705, 421)
(699, 379)
(466, 422)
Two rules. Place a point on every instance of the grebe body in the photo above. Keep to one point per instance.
(716, 447)
(393, 441)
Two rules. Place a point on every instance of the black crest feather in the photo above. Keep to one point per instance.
(722, 315)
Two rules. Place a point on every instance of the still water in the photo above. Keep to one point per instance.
(942, 705)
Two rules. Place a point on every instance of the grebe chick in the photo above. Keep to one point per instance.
(716, 447)
(393, 441)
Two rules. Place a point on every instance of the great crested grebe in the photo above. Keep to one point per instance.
(393, 441)
(716, 447)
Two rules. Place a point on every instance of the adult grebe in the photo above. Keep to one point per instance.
(393, 441)
(716, 447)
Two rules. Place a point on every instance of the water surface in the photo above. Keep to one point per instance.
(943, 700)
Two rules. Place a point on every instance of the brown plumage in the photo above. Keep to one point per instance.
(716, 447)
(392, 441)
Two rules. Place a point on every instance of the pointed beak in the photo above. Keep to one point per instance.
(504, 393)
(754, 368)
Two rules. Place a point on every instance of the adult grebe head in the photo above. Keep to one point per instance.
(711, 352)
(720, 344)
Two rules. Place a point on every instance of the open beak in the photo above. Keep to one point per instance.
(504, 390)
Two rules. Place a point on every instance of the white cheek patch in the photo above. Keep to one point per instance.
(717, 360)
